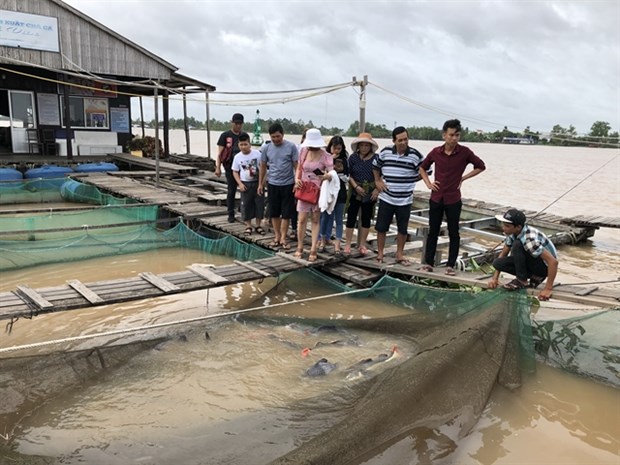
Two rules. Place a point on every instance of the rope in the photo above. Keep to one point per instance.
(35, 345)
(575, 186)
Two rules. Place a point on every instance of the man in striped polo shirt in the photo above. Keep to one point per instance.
(396, 172)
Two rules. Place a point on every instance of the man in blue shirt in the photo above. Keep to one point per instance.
(527, 254)
(281, 157)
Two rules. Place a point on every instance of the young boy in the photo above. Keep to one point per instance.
(245, 171)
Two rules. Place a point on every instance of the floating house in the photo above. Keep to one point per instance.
(66, 82)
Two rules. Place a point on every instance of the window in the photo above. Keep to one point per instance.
(86, 112)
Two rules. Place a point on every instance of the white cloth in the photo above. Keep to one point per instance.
(329, 193)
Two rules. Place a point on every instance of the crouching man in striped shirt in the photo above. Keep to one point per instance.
(396, 172)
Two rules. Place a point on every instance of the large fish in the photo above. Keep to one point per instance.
(321, 368)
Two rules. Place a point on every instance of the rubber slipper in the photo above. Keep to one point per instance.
(260, 231)
(312, 257)
(450, 271)
(403, 262)
(514, 285)
(427, 268)
(363, 250)
(285, 246)
(248, 231)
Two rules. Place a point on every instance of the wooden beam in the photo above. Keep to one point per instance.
(159, 282)
(252, 268)
(29, 294)
(204, 272)
(88, 294)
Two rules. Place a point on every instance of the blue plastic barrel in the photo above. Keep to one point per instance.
(10, 174)
(48, 172)
(98, 167)
(47, 177)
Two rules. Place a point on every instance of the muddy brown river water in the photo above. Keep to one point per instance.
(220, 400)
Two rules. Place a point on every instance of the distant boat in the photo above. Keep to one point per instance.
(517, 140)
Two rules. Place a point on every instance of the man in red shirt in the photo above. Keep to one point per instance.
(450, 161)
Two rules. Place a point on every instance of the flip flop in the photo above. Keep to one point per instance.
(403, 262)
(363, 250)
(427, 268)
(312, 257)
(273, 245)
(298, 254)
(260, 231)
(450, 271)
(514, 285)
(285, 246)
(536, 281)
(248, 231)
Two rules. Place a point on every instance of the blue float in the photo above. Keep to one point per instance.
(10, 174)
(98, 167)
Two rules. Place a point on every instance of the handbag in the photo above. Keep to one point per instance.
(308, 192)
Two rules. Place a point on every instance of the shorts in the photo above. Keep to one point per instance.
(386, 213)
(281, 201)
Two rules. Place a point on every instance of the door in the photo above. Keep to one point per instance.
(21, 113)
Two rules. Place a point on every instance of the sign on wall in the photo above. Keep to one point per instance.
(49, 109)
(119, 118)
(29, 31)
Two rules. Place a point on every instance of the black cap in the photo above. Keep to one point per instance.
(237, 118)
(512, 216)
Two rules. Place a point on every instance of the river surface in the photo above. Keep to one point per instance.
(183, 402)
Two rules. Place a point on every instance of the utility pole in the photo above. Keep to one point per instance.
(363, 83)
(156, 134)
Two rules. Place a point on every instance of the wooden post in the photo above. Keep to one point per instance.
(208, 126)
(185, 126)
(156, 135)
(67, 113)
(165, 102)
(142, 117)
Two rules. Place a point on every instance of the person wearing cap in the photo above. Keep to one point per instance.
(527, 254)
(450, 160)
(227, 148)
(363, 194)
(314, 165)
(396, 170)
(281, 156)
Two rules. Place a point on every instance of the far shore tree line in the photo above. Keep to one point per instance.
(600, 133)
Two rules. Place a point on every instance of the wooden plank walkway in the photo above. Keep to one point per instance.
(593, 221)
(27, 302)
(130, 160)
(200, 204)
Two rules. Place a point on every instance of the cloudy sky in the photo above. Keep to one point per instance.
(491, 63)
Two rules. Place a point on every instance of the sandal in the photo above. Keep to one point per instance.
(285, 246)
(363, 250)
(312, 257)
(427, 268)
(514, 285)
(260, 231)
(536, 281)
(450, 271)
(347, 251)
(298, 253)
(248, 231)
(273, 244)
(403, 262)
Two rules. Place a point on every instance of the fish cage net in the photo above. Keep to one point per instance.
(117, 226)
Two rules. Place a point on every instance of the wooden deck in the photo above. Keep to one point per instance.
(199, 201)
(593, 221)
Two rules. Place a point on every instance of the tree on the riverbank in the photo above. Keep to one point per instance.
(599, 135)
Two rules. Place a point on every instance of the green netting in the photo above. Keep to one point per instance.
(55, 224)
(586, 345)
(87, 243)
(74, 191)
(466, 343)
(31, 191)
